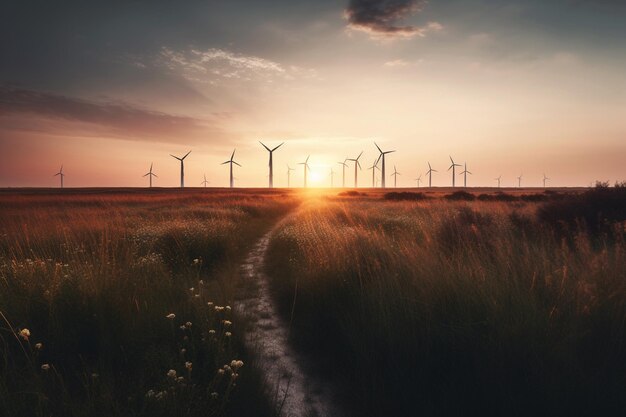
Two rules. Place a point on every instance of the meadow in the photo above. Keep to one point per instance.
(119, 302)
(122, 302)
(460, 304)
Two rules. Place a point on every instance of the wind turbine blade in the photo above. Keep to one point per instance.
(175, 157)
(145, 175)
(451, 160)
(268, 149)
(278, 146)
(151, 166)
(379, 156)
(233, 155)
(359, 164)
(389, 152)
(379, 150)
(307, 159)
(227, 162)
(469, 173)
(236, 163)
(357, 158)
(185, 155)
(155, 175)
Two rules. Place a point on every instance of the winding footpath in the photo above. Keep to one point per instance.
(298, 394)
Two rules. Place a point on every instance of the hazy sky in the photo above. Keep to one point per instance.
(510, 86)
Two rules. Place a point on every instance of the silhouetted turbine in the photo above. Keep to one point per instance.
(545, 179)
(395, 177)
(343, 175)
(519, 181)
(289, 169)
(430, 175)
(150, 174)
(306, 168)
(418, 179)
(374, 168)
(382, 155)
(231, 161)
(498, 179)
(182, 168)
(271, 151)
(453, 168)
(464, 173)
(356, 163)
(61, 174)
(205, 182)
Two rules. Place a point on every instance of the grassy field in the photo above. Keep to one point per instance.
(118, 302)
(417, 302)
(472, 304)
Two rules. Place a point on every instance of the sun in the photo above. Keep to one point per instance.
(315, 176)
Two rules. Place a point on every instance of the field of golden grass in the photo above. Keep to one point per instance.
(410, 301)
(119, 302)
(446, 307)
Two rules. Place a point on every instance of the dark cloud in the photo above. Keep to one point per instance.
(380, 17)
(25, 109)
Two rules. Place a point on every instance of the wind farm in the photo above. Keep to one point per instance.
(422, 210)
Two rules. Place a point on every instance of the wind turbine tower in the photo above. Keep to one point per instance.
(395, 177)
(182, 168)
(464, 173)
(453, 168)
(374, 167)
(231, 161)
(150, 174)
(205, 182)
(271, 163)
(306, 168)
(356, 164)
(382, 156)
(60, 174)
(289, 169)
(343, 175)
(430, 175)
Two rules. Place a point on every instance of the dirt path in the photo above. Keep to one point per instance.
(300, 394)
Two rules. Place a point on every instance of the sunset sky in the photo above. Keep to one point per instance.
(509, 86)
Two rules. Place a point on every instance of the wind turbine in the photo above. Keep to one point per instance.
(343, 176)
(231, 161)
(418, 179)
(382, 155)
(430, 175)
(182, 168)
(464, 173)
(150, 174)
(271, 151)
(306, 168)
(519, 181)
(545, 179)
(205, 182)
(395, 177)
(374, 168)
(498, 179)
(61, 174)
(289, 169)
(356, 163)
(453, 168)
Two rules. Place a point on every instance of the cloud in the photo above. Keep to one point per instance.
(401, 63)
(23, 109)
(210, 65)
(379, 18)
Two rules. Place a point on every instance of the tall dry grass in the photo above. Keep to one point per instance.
(119, 303)
(453, 308)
